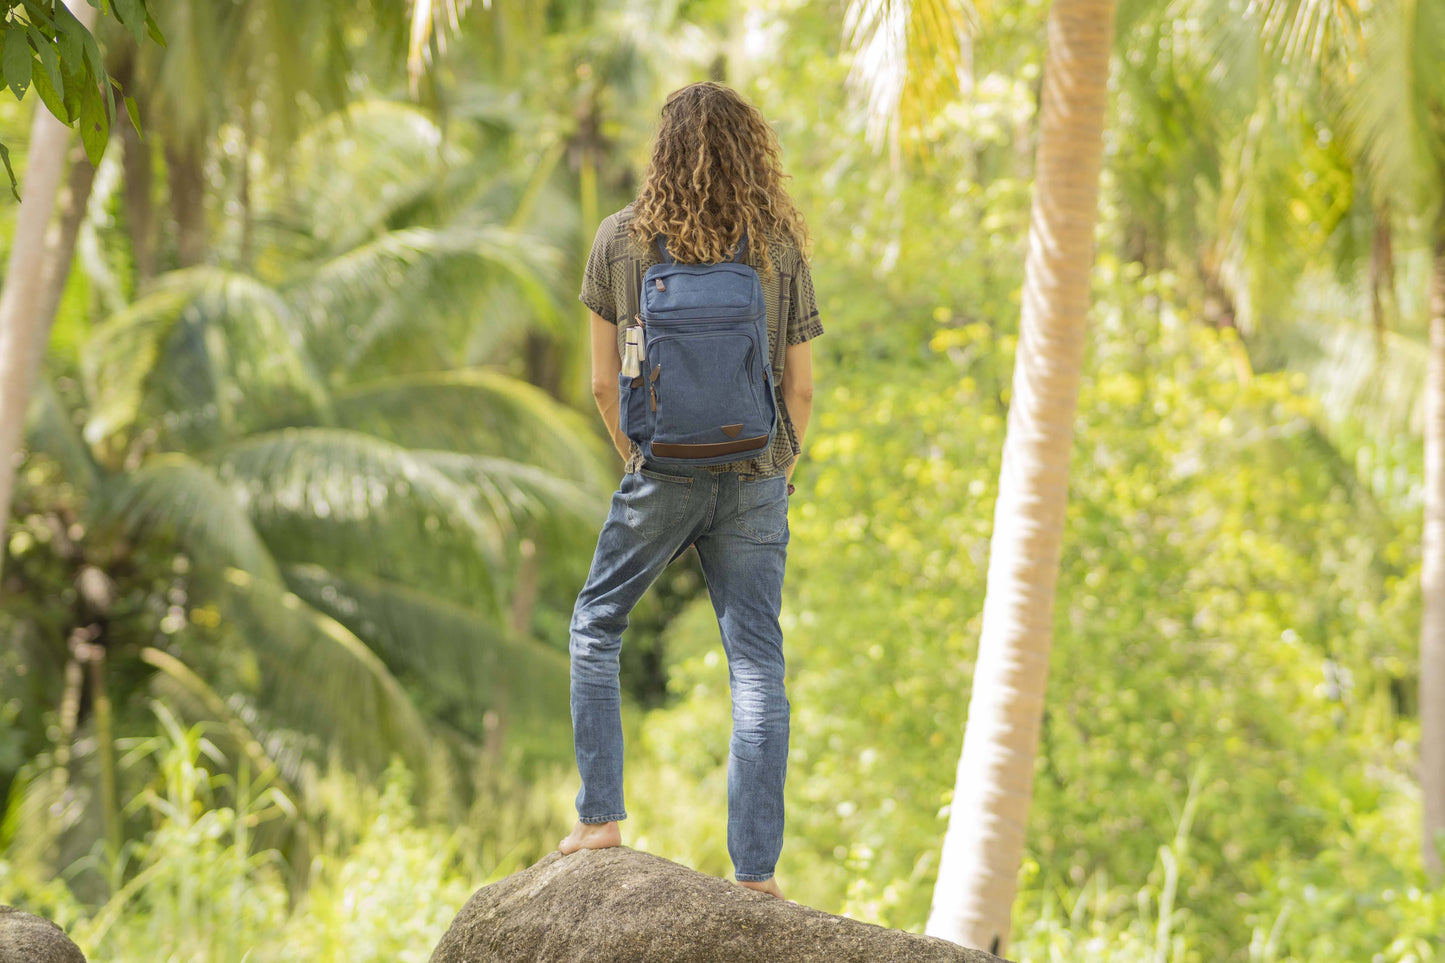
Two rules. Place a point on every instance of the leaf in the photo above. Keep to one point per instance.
(39, 13)
(53, 100)
(45, 47)
(134, 112)
(49, 83)
(908, 55)
(75, 77)
(318, 677)
(240, 346)
(14, 185)
(349, 501)
(174, 494)
(92, 52)
(477, 411)
(154, 29)
(17, 58)
(132, 13)
(68, 34)
(94, 125)
(461, 654)
(50, 429)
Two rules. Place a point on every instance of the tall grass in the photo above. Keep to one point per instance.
(195, 889)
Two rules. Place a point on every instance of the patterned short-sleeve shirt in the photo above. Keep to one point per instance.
(608, 289)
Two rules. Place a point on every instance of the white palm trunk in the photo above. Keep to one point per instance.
(24, 325)
(1432, 580)
(982, 849)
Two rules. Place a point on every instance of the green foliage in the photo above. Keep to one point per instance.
(200, 890)
(328, 488)
(1233, 610)
(42, 42)
(1225, 771)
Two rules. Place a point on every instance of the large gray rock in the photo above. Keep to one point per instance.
(619, 905)
(26, 938)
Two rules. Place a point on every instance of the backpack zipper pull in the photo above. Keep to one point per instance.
(652, 384)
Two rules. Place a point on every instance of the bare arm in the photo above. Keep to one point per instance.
(606, 366)
(797, 389)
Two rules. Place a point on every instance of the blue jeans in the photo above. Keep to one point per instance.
(739, 523)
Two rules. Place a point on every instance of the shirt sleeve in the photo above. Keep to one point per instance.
(803, 321)
(597, 291)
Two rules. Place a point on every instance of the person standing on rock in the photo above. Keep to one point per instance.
(714, 183)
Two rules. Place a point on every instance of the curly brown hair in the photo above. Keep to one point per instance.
(715, 171)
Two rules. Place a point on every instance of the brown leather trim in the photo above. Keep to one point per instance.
(732, 431)
(709, 449)
(637, 382)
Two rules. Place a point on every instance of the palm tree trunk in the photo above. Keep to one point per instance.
(135, 167)
(186, 176)
(60, 242)
(525, 588)
(24, 330)
(105, 748)
(139, 208)
(1432, 579)
(983, 846)
(1382, 274)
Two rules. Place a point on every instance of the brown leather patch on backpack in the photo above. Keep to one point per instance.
(732, 431)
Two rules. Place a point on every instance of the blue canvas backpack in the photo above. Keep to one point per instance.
(705, 392)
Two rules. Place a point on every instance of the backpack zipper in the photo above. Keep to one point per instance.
(737, 318)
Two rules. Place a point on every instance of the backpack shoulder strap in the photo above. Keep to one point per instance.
(784, 303)
(634, 288)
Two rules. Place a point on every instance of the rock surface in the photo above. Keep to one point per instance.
(619, 905)
(26, 938)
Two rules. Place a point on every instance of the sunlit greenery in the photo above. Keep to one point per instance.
(329, 492)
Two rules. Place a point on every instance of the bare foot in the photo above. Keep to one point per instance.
(590, 836)
(769, 886)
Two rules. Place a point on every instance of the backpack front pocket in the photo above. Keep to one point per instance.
(705, 388)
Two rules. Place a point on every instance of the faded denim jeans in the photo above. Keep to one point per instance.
(739, 523)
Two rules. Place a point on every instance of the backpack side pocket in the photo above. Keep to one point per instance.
(632, 407)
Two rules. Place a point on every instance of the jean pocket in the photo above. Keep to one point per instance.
(655, 502)
(763, 508)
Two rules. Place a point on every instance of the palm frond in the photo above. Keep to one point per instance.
(50, 429)
(475, 411)
(522, 492)
(206, 352)
(425, 15)
(351, 173)
(181, 689)
(352, 502)
(121, 354)
(463, 659)
(1350, 373)
(320, 686)
(182, 498)
(1307, 33)
(420, 284)
(1387, 105)
(909, 58)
